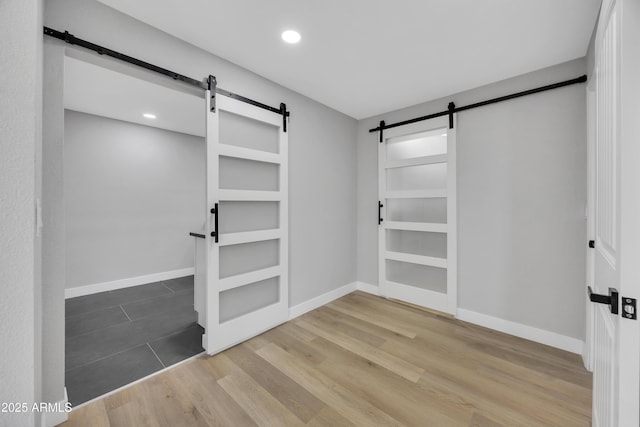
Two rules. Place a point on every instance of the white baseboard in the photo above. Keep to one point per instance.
(549, 338)
(552, 339)
(125, 283)
(368, 288)
(319, 301)
(54, 418)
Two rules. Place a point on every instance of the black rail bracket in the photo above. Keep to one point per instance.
(213, 84)
(284, 112)
(381, 127)
(629, 308)
(452, 109)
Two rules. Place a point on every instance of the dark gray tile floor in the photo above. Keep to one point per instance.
(114, 338)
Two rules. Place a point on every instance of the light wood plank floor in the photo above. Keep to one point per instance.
(363, 361)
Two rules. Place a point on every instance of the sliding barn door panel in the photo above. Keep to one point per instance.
(417, 251)
(247, 281)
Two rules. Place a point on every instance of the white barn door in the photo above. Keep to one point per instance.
(616, 266)
(246, 290)
(417, 214)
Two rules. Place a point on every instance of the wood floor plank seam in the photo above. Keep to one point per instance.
(361, 361)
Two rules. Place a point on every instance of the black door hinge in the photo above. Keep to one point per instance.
(592, 244)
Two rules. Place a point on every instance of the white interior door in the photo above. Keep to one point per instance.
(247, 228)
(417, 214)
(616, 335)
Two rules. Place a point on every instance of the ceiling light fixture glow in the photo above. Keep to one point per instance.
(149, 116)
(291, 36)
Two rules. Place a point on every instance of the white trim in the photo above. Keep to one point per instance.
(417, 161)
(417, 130)
(249, 195)
(368, 288)
(416, 259)
(227, 239)
(95, 288)
(226, 150)
(426, 298)
(243, 279)
(541, 336)
(429, 227)
(51, 419)
(416, 194)
(319, 301)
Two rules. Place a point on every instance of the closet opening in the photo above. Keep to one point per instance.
(134, 188)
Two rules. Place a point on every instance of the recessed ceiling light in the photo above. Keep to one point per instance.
(291, 36)
(149, 116)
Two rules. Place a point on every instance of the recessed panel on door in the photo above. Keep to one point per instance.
(239, 216)
(248, 257)
(411, 146)
(416, 275)
(242, 131)
(245, 299)
(431, 210)
(417, 243)
(243, 174)
(419, 177)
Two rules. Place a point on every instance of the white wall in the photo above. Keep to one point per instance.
(20, 140)
(133, 194)
(521, 200)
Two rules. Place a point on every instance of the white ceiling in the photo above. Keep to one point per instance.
(366, 57)
(123, 97)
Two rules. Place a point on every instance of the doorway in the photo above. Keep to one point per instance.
(134, 186)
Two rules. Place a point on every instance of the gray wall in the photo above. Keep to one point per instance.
(133, 194)
(20, 141)
(521, 200)
(322, 151)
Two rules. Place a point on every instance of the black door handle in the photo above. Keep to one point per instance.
(214, 212)
(611, 300)
(380, 206)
